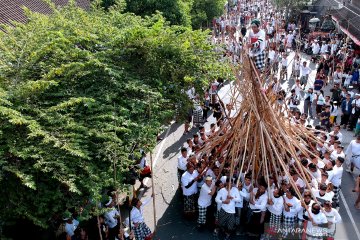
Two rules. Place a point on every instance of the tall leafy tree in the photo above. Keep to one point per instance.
(177, 12)
(203, 12)
(77, 90)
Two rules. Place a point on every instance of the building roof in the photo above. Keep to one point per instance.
(348, 18)
(11, 10)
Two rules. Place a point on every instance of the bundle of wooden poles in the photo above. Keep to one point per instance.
(260, 136)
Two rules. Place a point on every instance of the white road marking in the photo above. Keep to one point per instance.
(350, 216)
(159, 151)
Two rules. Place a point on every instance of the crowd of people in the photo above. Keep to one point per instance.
(242, 204)
(272, 209)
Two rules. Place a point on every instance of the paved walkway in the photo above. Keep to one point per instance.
(170, 223)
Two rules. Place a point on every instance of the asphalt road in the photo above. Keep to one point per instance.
(168, 208)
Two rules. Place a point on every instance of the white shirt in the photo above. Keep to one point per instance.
(182, 163)
(204, 199)
(110, 217)
(261, 202)
(293, 210)
(337, 76)
(336, 178)
(315, 48)
(186, 178)
(277, 207)
(304, 71)
(334, 111)
(300, 183)
(353, 149)
(243, 194)
(319, 218)
(259, 40)
(271, 55)
(136, 214)
(296, 65)
(334, 217)
(247, 188)
(222, 196)
(297, 90)
(327, 196)
(339, 135)
(316, 175)
(303, 210)
(70, 228)
(334, 155)
(324, 48)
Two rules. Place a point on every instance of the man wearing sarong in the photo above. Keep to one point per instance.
(257, 44)
(227, 199)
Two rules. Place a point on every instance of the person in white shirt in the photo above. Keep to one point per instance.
(326, 157)
(189, 188)
(315, 47)
(257, 44)
(304, 73)
(293, 100)
(333, 218)
(334, 112)
(338, 152)
(307, 201)
(324, 48)
(204, 201)
(284, 65)
(352, 154)
(289, 39)
(298, 181)
(257, 203)
(141, 230)
(324, 179)
(182, 161)
(297, 87)
(111, 218)
(337, 133)
(338, 75)
(291, 208)
(336, 180)
(70, 225)
(227, 198)
(314, 171)
(275, 205)
(243, 193)
(308, 101)
(317, 221)
(296, 67)
(322, 194)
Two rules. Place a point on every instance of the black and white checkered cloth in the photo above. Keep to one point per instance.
(202, 215)
(227, 220)
(275, 222)
(336, 199)
(259, 61)
(189, 203)
(288, 225)
(142, 231)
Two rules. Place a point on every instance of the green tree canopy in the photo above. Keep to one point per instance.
(203, 12)
(77, 90)
(177, 12)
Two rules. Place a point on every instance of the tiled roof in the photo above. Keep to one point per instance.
(11, 10)
(348, 18)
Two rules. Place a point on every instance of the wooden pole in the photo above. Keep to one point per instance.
(98, 223)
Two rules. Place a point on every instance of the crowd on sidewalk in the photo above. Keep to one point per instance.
(241, 203)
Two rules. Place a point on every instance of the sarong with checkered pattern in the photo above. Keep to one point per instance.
(202, 215)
